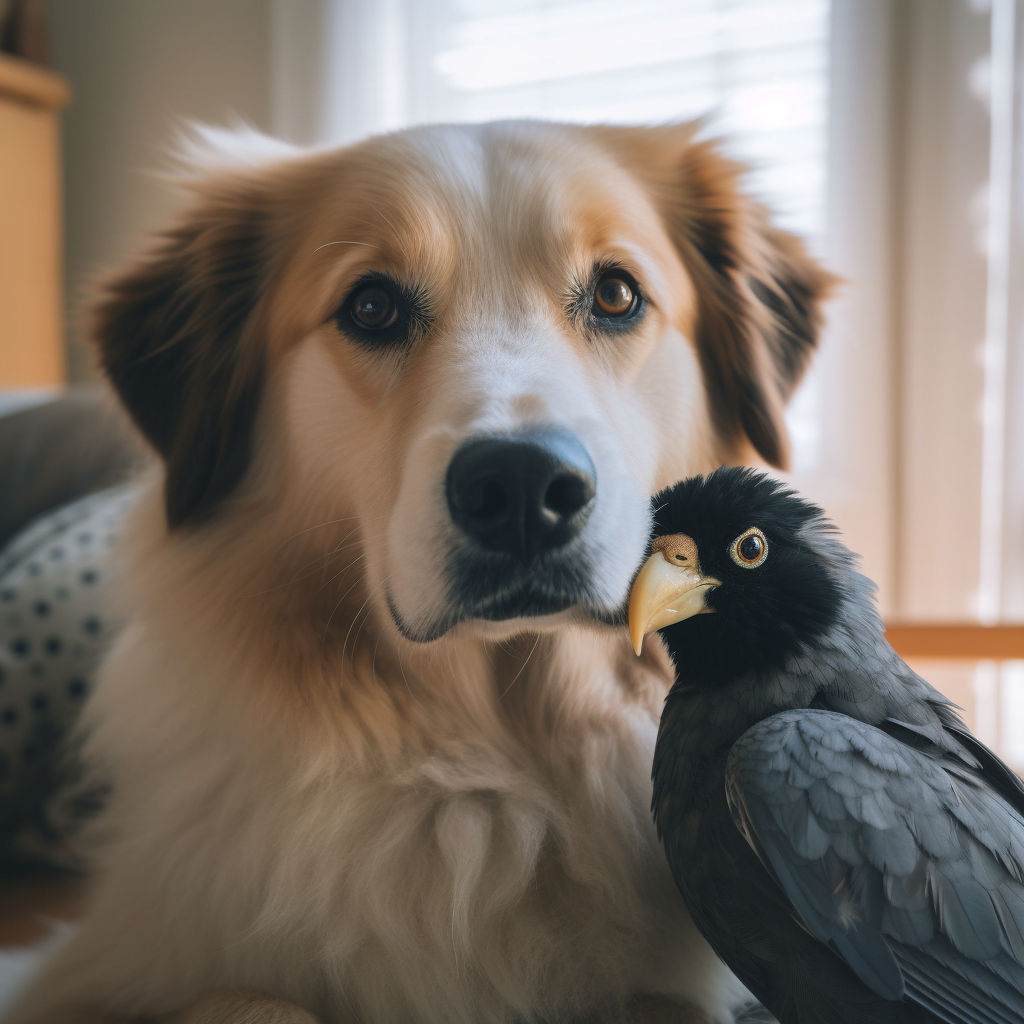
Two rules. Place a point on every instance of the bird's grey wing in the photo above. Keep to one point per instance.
(913, 873)
(1003, 779)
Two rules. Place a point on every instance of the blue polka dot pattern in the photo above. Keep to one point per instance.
(55, 623)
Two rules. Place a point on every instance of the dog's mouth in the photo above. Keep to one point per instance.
(488, 590)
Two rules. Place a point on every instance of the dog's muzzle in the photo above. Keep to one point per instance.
(524, 545)
(522, 494)
(520, 501)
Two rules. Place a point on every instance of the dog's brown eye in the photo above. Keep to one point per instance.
(374, 308)
(381, 314)
(614, 297)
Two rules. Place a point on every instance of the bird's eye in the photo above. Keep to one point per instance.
(374, 308)
(749, 549)
(616, 296)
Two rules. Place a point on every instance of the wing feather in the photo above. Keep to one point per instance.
(984, 999)
(947, 1004)
(908, 865)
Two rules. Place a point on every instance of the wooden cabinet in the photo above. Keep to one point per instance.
(31, 328)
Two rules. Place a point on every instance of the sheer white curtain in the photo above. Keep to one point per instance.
(1006, 312)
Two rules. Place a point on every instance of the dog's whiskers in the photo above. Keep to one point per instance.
(341, 572)
(387, 221)
(323, 559)
(405, 678)
(327, 626)
(342, 545)
(521, 669)
(309, 529)
(373, 660)
(345, 241)
(355, 640)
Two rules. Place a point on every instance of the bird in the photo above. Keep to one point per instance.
(845, 844)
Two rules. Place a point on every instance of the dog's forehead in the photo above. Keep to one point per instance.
(549, 186)
(496, 190)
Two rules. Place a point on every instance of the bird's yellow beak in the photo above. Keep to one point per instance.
(669, 588)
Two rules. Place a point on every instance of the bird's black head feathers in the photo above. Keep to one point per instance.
(761, 614)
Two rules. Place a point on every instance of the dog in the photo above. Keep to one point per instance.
(379, 745)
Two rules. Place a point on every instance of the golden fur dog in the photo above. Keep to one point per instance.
(380, 747)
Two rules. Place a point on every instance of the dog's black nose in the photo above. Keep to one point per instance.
(522, 493)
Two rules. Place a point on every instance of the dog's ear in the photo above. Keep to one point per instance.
(759, 297)
(179, 337)
(759, 293)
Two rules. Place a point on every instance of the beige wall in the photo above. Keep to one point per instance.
(136, 67)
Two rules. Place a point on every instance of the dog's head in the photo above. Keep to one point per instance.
(482, 347)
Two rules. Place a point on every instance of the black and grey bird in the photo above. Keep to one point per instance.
(849, 849)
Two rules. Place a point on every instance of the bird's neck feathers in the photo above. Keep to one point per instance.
(850, 665)
(702, 721)
(850, 669)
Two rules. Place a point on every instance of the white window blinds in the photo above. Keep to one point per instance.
(760, 69)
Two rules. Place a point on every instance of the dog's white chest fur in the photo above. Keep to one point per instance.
(473, 882)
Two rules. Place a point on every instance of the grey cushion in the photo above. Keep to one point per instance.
(53, 452)
(55, 625)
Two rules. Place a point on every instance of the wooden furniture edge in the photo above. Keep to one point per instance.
(956, 641)
(33, 84)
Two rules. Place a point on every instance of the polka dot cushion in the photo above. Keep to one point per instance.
(54, 628)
